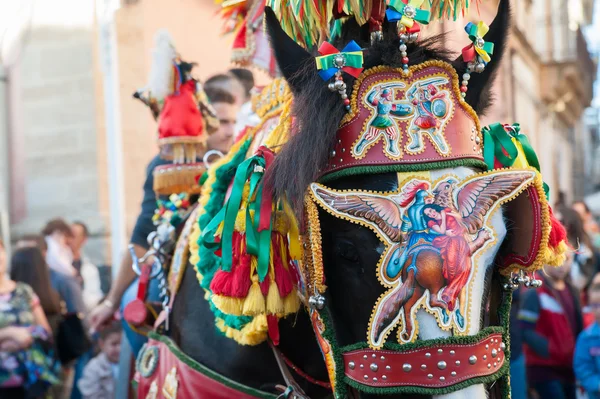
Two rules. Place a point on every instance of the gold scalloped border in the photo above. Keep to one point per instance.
(312, 200)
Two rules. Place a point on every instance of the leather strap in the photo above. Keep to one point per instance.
(292, 390)
(437, 366)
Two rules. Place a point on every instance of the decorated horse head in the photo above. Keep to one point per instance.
(404, 202)
(371, 195)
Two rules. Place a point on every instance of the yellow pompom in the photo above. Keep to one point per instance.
(228, 305)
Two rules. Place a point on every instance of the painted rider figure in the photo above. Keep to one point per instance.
(383, 123)
(415, 232)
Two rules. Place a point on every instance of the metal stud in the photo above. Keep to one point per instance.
(333, 153)
(495, 364)
(452, 353)
(388, 368)
(489, 366)
(366, 377)
(440, 351)
(487, 347)
(374, 367)
(428, 355)
(442, 378)
(365, 356)
(484, 357)
(351, 365)
(494, 352)
(473, 359)
(382, 358)
(453, 374)
(362, 366)
(384, 377)
(430, 376)
(373, 356)
(442, 365)
(423, 366)
(457, 362)
(375, 379)
(502, 346)
(406, 367)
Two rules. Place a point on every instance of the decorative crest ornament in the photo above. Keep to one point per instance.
(333, 62)
(477, 54)
(409, 14)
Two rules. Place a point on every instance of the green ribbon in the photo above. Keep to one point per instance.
(257, 243)
(498, 145)
(421, 16)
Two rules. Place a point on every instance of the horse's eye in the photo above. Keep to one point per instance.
(347, 251)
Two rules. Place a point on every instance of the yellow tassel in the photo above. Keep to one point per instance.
(291, 303)
(274, 303)
(228, 305)
(254, 304)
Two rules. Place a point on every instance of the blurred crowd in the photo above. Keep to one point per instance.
(60, 334)
(555, 335)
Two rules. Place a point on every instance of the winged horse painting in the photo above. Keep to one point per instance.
(434, 230)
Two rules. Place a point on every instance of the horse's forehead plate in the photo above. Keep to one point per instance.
(400, 119)
(435, 232)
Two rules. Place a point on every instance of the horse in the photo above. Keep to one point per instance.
(356, 246)
(359, 237)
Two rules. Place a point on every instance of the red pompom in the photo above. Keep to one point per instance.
(558, 233)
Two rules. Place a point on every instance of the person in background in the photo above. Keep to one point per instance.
(589, 223)
(59, 256)
(586, 362)
(29, 267)
(518, 378)
(101, 373)
(227, 111)
(246, 116)
(550, 318)
(88, 272)
(67, 287)
(228, 83)
(28, 367)
(584, 260)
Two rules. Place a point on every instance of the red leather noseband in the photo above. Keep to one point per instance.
(437, 366)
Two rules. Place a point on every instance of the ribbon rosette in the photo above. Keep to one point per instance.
(479, 46)
(407, 12)
(505, 146)
(349, 60)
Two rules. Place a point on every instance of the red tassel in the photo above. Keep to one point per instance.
(283, 277)
(264, 286)
(235, 283)
(558, 233)
(273, 326)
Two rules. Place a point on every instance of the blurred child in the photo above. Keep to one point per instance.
(587, 350)
(101, 373)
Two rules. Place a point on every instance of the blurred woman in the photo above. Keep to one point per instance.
(28, 266)
(27, 364)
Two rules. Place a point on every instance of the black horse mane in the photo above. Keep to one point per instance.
(318, 111)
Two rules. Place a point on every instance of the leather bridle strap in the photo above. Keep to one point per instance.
(292, 390)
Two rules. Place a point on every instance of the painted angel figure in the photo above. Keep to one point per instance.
(438, 258)
(383, 124)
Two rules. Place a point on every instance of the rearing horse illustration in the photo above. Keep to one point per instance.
(432, 236)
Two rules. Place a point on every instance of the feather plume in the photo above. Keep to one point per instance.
(161, 71)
